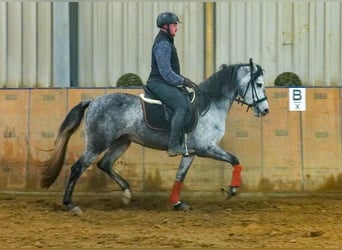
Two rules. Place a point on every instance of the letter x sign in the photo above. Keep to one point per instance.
(297, 99)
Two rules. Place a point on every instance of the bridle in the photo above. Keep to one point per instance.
(251, 83)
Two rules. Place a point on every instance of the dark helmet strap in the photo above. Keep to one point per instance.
(167, 28)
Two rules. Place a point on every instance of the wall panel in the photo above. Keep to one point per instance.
(14, 45)
(44, 48)
(25, 44)
(243, 139)
(321, 137)
(3, 44)
(14, 110)
(303, 37)
(29, 45)
(282, 166)
(159, 170)
(207, 175)
(117, 37)
(46, 107)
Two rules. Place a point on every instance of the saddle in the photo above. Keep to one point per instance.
(157, 115)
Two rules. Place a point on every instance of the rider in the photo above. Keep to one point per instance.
(166, 82)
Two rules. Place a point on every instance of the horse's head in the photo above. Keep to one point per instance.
(252, 88)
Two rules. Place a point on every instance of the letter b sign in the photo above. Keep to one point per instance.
(297, 99)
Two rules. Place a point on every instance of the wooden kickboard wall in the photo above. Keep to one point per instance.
(283, 151)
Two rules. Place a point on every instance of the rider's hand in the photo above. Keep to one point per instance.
(188, 83)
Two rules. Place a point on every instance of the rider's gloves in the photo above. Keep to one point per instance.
(188, 83)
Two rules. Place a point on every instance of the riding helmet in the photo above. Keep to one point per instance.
(166, 18)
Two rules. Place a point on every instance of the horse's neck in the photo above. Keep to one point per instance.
(225, 104)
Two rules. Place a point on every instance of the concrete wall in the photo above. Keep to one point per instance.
(284, 151)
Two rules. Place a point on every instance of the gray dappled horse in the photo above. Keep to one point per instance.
(114, 121)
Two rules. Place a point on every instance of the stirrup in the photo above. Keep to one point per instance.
(175, 152)
(187, 150)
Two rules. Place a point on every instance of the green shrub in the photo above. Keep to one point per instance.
(287, 79)
(129, 79)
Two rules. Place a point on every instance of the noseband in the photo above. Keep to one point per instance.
(251, 83)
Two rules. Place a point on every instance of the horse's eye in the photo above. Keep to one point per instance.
(259, 84)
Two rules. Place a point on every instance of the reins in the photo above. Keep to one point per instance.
(251, 84)
(197, 89)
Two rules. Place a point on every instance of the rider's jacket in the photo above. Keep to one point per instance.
(164, 45)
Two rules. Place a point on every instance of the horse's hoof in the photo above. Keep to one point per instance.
(126, 196)
(76, 211)
(181, 206)
(229, 192)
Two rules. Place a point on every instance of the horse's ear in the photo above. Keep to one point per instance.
(223, 66)
(253, 65)
(250, 61)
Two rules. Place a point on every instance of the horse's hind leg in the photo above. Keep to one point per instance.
(106, 164)
(76, 171)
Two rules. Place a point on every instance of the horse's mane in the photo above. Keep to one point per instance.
(217, 86)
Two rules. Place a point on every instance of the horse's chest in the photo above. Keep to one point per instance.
(213, 125)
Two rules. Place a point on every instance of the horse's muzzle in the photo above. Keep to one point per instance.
(265, 112)
(260, 112)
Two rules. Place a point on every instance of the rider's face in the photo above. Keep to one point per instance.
(173, 28)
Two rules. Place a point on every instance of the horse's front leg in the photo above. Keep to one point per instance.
(217, 153)
(183, 168)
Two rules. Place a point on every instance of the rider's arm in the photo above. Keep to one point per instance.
(162, 52)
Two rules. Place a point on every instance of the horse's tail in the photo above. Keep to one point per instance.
(53, 166)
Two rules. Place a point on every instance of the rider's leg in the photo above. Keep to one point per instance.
(177, 102)
(176, 134)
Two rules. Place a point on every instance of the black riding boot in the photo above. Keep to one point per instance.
(176, 134)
